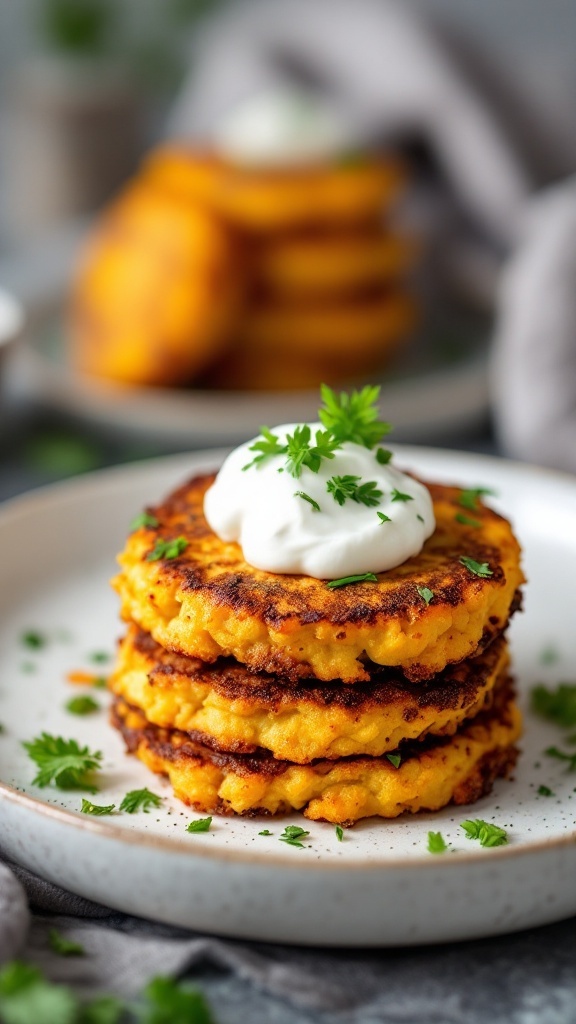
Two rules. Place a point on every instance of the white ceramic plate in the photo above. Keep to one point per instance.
(379, 886)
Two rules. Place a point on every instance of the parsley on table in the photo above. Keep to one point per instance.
(265, 832)
(96, 809)
(353, 417)
(34, 640)
(83, 705)
(144, 519)
(171, 1002)
(292, 835)
(367, 577)
(339, 833)
(486, 833)
(167, 549)
(560, 755)
(545, 791)
(481, 569)
(426, 594)
(306, 497)
(343, 487)
(140, 800)
(467, 520)
(556, 704)
(383, 518)
(436, 843)
(399, 496)
(63, 762)
(395, 759)
(469, 497)
(200, 825)
(63, 946)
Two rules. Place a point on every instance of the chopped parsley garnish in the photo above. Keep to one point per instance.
(200, 825)
(354, 416)
(560, 755)
(141, 520)
(383, 456)
(425, 593)
(301, 453)
(167, 549)
(265, 832)
(545, 791)
(98, 810)
(63, 762)
(469, 497)
(383, 518)
(339, 833)
(367, 577)
(28, 667)
(436, 843)
(292, 835)
(398, 496)
(63, 946)
(481, 569)
(395, 759)
(34, 640)
(558, 704)
(306, 497)
(467, 520)
(84, 705)
(140, 800)
(343, 487)
(419, 517)
(99, 657)
(486, 833)
(172, 1002)
(549, 655)
(266, 445)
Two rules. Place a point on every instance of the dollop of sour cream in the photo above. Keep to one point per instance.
(279, 531)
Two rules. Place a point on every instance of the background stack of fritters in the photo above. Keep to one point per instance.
(260, 693)
(245, 278)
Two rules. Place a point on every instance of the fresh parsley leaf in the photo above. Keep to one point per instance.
(481, 569)
(300, 452)
(383, 518)
(266, 445)
(426, 594)
(398, 496)
(557, 704)
(34, 640)
(140, 800)
(339, 833)
(467, 520)
(105, 1010)
(99, 682)
(174, 1003)
(99, 657)
(200, 825)
(27, 998)
(419, 517)
(436, 843)
(486, 833)
(469, 497)
(167, 549)
(144, 519)
(97, 809)
(383, 456)
(84, 705)
(62, 762)
(545, 791)
(265, 832)
(343, 487)
(560, 755)
(395, 759)
(63, 946)
(306, 497)
(367, 577)
(353, 417)
(292, 835)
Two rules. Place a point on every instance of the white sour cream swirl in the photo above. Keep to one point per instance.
(280, 532)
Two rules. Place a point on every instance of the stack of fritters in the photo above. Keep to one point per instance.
(261, 693)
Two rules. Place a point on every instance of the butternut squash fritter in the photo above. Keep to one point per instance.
(208, 602)
(228, 707)
(432, 774)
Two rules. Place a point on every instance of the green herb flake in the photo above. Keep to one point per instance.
(549, 655)
(200, 825)
(172, 1002)
(27, 998)
(419, 518)
(63, 946)
(395, 759)
(426, 594)
(436, 843)
(339, 833)
(98, 810)
(306, 497)
(383, 456)
(470, 496)
(105, 1010)
(561, 755)
(83, 705)
(140, 800)
(266, 445)
(167, 549)
(143, 520)
(486, 833)
(399, 496)
(383, 518)
(367, 577)
(343, 487)
(28, 667)
(99, 657)
(545, 791)
(265, 832)
(34, 640)
(481, 569)
(301, 453)
(353, 417)
(467, 520)
(62, 762)
(557, 704)
(292, 835)
(100, 682)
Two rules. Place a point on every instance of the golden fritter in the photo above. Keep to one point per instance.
(431, 774)
(230, 708)
(208, 601)
(270, 200)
